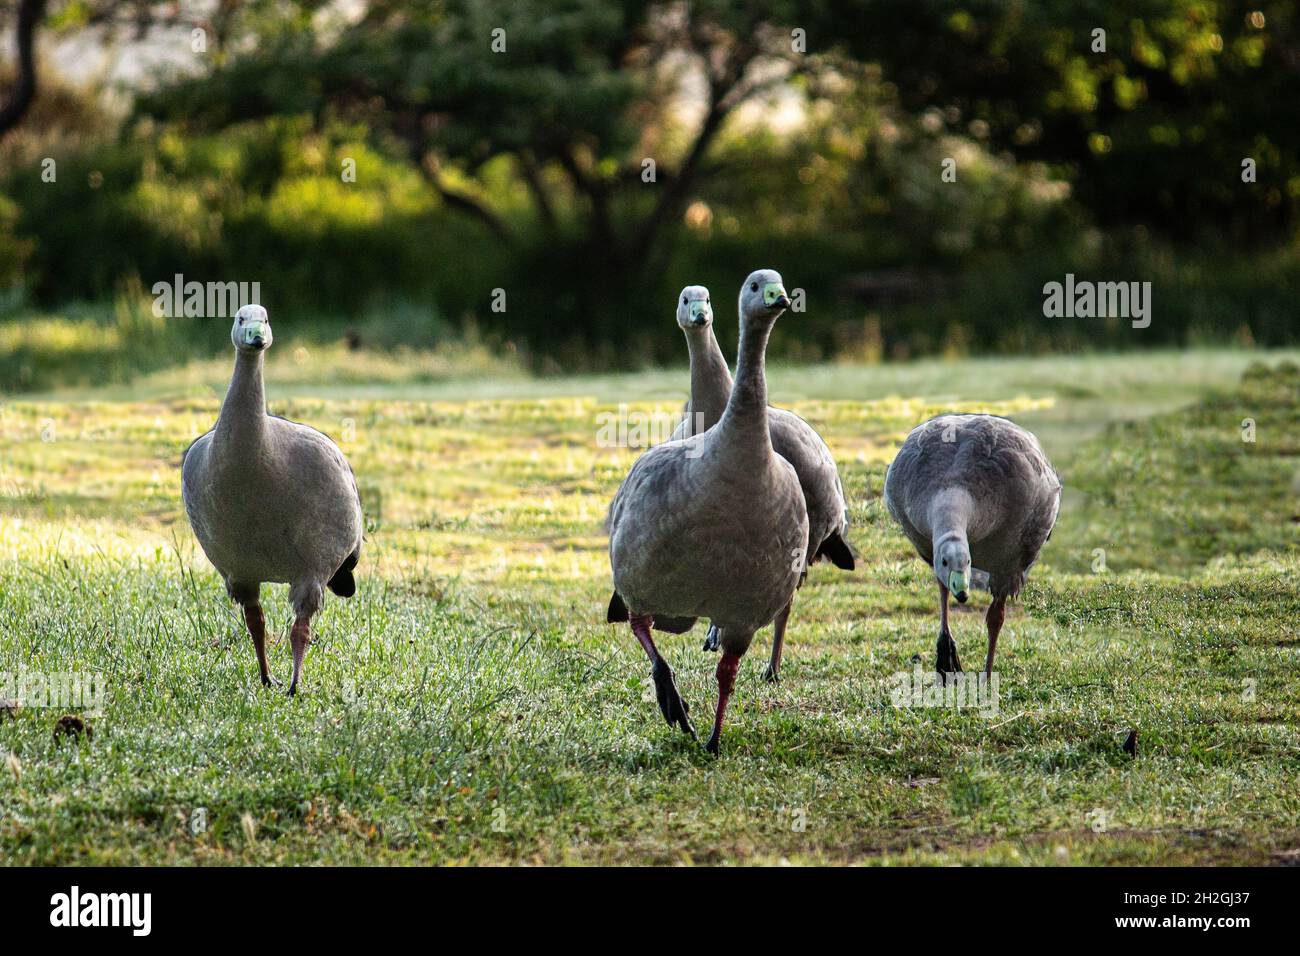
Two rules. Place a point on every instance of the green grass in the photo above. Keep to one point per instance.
(470, 705)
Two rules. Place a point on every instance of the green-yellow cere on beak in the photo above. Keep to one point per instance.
(697, 307)
(957, 582)
(773, 291)
(252, 330)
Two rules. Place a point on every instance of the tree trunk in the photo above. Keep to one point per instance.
(29, 14)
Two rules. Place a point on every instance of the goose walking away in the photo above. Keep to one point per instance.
(792, 438)
(713, 525)
(973, 490)
(271, 500)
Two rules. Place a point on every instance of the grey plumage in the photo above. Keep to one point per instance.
(974, 491)
(270, 500)
(792, 438)
(714, 525)
(681, 544)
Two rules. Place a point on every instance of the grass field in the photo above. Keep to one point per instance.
(470, 705)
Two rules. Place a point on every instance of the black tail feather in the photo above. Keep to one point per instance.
(838, 551)
(343, 584)
(617, 610)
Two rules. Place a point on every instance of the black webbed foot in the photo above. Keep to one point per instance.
(946, 660)
(711, 639)
(671, 704)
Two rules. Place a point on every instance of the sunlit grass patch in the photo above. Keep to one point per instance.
(469, 704)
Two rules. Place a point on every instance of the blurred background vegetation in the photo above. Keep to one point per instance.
(213, 139)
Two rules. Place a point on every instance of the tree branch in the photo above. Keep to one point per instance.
(466, 203)
(597, 193)
(29, 14)
(408, 127)
(677, 186)
(533, 177)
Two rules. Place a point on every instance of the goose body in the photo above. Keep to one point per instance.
(792, 438)
(798, 443)
(271, 501)
(287, 513)
(713, 525)
(679, 543)
(974, 491)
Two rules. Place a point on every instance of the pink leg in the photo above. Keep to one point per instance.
(997, 613)
(772, 672)
(299, 637)
(641, 624)
(256, 623)
(671, 704)
(727, 668)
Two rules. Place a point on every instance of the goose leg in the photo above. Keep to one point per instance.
(727, 668)
(299, 637)
(946, 660)
(772, 672)
(997, 613)
(674, 709)
(256, 624)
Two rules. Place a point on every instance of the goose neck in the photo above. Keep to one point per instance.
(710, 378)
(746, 413)
(950, 515)
(243, 413)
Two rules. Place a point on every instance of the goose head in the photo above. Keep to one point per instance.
(762, 298)
(952, 566)
(694, 310)
(252, 329)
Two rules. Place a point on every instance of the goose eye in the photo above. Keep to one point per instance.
(945, 562)
(753, 287)
(683, 300)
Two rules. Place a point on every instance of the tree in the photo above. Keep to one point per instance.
(1152, 129)
(576, 94)
(109, 18)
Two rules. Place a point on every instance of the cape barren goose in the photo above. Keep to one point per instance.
(792, 438)
(271, 500)
(973, 489)
(713, 525)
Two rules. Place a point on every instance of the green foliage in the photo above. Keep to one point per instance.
(1153, 130)
(521, 170)
(14, 250)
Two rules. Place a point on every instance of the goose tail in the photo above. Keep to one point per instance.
(838, 551)
(617, 610)
(343, 583)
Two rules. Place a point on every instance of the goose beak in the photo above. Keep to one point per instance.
(699, 314)
(775, 297)
(255, 335)
(957, 584)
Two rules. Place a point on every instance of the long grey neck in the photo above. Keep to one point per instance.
(950, 515)
(710, 379)
(243, 413)
(744, 423)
